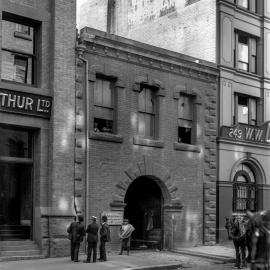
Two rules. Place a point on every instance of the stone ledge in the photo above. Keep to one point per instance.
(100, 136)
(186, 147)
(148, 142)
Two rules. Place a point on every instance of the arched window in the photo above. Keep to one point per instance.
(244, 189)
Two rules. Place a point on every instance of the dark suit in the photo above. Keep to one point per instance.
(104, 237)
(77, 231)
(92, 239)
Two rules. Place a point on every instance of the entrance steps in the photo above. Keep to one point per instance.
(14, 232)
(19, 250)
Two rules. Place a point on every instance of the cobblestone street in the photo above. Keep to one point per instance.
(134, 261)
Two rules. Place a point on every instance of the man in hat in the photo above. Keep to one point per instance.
(77, 232)
(92, 239)
(104, 233)
(125, 234)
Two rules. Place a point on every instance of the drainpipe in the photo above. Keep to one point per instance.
(80, 49)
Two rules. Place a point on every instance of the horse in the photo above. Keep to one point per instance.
(236, 229)
(259, 223)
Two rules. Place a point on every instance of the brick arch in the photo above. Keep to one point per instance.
(154, 171)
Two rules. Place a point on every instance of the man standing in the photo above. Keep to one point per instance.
(125, 235)
(104, 237)
(77, 232)
(70, 237)
(92, 239)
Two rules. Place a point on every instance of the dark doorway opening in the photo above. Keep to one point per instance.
(16, 199)
(144, 209)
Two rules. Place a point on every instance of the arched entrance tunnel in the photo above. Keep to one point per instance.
(144, 209)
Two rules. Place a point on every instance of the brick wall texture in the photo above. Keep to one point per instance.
(186, 177)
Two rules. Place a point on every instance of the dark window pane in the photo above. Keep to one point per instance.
(15, 143)
(16, 68)
(184, 135)
(103, 125)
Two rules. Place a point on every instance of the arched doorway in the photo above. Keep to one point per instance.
(144, 208)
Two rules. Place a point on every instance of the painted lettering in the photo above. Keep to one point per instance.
(249, 132)
(267, 137)
(29, 102)
(38, 106)
(3, 95)
(20, 102)
(11, 100)
(258, 134)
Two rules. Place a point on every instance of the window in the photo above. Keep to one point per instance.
(24, 29)
(147, 111)
(245, 53)
(185, 118)
(247, 4)
(103, 106)
(244, 190)
(18, 53)
(246, 110)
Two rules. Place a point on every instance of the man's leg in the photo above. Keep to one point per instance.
(88, 252)
(94, 252)
(72, 248)
(76, 252)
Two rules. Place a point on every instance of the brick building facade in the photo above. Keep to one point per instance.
(145, 140)
(37, 123)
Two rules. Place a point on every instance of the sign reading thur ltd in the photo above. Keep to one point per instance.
(25, 103)
(242, 132)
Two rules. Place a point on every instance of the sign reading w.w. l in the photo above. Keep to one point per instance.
(243, 132)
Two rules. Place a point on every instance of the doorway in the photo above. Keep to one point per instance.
(144, 209)
(16, 166)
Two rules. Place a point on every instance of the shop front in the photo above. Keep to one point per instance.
(243, 172)
(19, 161)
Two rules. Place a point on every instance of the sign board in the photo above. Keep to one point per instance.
(25, 103)
(114, 218)
(248, 133)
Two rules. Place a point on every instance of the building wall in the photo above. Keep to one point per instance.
(232, 82)
(115, 161)
(174, 25)
(53, 195)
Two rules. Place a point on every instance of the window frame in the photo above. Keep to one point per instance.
(252, 44)
(152, 114)
(192, 120)
(31, 24)
(112, 81)
(248, 188)
(236, 103)
(252, 5)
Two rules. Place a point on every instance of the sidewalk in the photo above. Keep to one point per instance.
(201, 257)
(216, 252)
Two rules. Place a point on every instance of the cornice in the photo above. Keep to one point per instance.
(97, 42)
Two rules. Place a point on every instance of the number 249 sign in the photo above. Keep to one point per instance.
(235, 133)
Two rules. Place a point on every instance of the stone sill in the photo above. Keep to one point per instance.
(102, 136)
(186, 147)
(148, 142)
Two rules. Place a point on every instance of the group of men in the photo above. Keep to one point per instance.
(77, 232)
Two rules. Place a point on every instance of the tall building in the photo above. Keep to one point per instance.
(235, 34)
(37, 87)
(147, 119)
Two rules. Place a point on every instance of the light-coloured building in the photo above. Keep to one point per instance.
(235, 34)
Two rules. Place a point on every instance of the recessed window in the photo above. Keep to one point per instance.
(247, 4)
(24, 29)
(185, 119)
(246, 110)
(244, 190)
(104, 106)
(18, 54)
(245, 53)
(147, 112)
